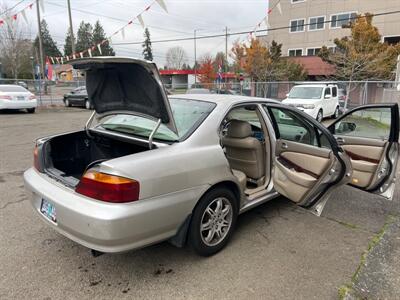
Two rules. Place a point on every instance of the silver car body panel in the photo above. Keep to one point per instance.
(172, 180)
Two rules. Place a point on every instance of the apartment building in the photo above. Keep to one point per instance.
(307, 25)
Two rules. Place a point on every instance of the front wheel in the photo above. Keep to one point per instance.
(31, 110)
(66, 103)
(319, 116)
(336, 113)
(213, 222)
(87, 104)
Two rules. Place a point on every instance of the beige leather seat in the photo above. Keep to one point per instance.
(244, 152)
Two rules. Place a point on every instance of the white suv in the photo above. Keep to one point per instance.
(317, 100)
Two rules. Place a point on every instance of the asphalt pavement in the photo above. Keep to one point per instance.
(279, 251)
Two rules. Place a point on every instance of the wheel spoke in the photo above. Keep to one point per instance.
(224, 223)
(218, 209)
(210, 235)
(206, 226)
(218, 233)
(210, 212)
(226, 211)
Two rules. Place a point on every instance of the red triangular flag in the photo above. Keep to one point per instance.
(14, 17)
(1, 22)
(269, 11)
(30, 5)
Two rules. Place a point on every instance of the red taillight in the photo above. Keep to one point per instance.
(36, 158)
(5, 97)
(32, 97)
(108, 188)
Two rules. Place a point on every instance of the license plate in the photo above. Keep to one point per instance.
(20, 98)
(48, 210)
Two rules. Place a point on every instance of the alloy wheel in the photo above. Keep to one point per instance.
(216, 221)
(319, 116)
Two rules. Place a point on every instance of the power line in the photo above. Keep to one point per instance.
(247, 32)
(8, 10)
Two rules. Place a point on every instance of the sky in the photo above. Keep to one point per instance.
(207, 17)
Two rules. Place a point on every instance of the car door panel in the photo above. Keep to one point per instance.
(303, 170)
(369, 136)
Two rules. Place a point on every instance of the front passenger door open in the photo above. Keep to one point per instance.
(308, 163)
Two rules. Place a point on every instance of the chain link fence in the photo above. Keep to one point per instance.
(359, 92)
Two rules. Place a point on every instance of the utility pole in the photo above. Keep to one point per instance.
(71, 28)
(40, 51)
(195, 60)
(226, 52)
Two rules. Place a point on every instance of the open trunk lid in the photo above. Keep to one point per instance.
(127, 86)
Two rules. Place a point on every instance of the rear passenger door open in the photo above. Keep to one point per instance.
(307, 162)
(369, 135)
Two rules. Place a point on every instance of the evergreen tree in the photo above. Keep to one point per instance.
(147, 51)
(49, 45)
(68, 43)
(84, 37)
(98, 37)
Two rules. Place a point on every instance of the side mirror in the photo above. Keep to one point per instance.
(72, 92)
(327, 97)
(345, 127)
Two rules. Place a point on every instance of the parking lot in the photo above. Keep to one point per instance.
(278, 250)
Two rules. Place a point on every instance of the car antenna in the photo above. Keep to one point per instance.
(152, 134)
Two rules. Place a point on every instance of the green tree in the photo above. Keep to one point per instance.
(84, 37)
(362, 55)
(147, 50)
(49, 45)
(68, 43)
(98, 37)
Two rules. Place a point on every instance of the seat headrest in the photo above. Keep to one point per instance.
(239, 129)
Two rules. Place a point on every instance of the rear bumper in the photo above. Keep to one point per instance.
(14, 104)
(111, 227)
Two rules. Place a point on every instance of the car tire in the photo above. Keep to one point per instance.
(66, 103)
(213, 221)
(30, 110)
(87, 104)
(336, 113)
(320, 116)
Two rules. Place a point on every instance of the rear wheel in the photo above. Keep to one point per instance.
(336, 113)
(66, 103)
(31, 110)
(213, 222)
(319, 115)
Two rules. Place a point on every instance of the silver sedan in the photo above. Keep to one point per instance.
(148, 167)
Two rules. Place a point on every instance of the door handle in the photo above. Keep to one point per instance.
(340, 140)
(284, 146)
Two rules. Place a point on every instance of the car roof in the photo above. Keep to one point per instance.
(316, 85)
(222, 99)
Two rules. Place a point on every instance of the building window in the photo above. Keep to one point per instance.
(391, 40)
(295, 52)
(316, 23)
(313, 51)
(341, 20)
(297, 25)
(332, 49)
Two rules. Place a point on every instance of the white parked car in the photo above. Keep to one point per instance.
(14, 96)
(317, 100)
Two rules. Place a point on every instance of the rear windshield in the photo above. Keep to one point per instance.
(188, 115)
(305, 92)
(12, 88)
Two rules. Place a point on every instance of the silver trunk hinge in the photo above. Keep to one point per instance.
(153, 132)
(89, 121)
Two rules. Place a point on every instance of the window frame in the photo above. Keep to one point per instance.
(313, 48)
(317, 29)
(297, 31)
(295, 49)
(337, 14)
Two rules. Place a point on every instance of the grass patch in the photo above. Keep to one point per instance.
(347, 288)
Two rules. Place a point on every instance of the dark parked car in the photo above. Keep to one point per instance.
(77, 97)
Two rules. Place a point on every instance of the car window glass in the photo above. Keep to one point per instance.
(371, 123)
(334, 91)
(327, 92)
(293, 128)
(188, 114)
(305, 92)
(12, 88)
(248, 114)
